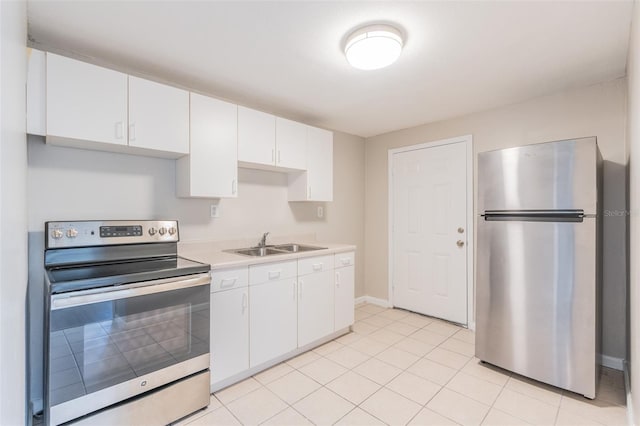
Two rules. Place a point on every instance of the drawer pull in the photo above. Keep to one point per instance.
(274, 275)
(317, 266)
(346, 261)
(228, 282)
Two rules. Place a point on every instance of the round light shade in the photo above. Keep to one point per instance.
(373, 47)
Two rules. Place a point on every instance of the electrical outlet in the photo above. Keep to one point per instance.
(215, 210)
(320, 212)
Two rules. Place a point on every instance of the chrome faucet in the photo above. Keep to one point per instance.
(263, 240)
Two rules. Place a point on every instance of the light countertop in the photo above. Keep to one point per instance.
(213, 252)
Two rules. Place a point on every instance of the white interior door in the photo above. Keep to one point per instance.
(429, 234)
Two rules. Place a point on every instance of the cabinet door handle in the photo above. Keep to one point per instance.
(279, 157)
(233, 187)
(274, 275)
(244, 301)
(337, 279)
(119, 130)
(230, 282)
(294, 290)
(300, 284)
(317, 266)
(346, 261)
(273, 156)
(132, 131)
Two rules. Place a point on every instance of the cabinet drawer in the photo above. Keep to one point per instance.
(226, 279)
(272, 272)
(344, 259)
(315, 264)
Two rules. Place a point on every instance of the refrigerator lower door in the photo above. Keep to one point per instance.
(536, 311)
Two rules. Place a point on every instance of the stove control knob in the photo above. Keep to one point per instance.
(172, 231)
(57, 234)
(162, 230)
(152, 231)
(72, 232)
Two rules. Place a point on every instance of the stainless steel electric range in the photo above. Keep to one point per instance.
(126, 325)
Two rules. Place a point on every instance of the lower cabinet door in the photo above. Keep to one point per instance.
(315, 306)
(229, 333)
(273, 320)
(345, 283)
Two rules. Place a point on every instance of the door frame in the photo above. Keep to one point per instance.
(467, 140)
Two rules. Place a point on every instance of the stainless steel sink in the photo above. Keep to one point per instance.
(273, 250)
(257, 251)
(294, 248)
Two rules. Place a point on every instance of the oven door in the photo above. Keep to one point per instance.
(105, 346)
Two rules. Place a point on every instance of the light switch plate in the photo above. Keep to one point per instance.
(320, 212)
(215, 210)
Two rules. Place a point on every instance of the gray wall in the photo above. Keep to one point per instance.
(633, 144)
(13, 211)
(598, 110)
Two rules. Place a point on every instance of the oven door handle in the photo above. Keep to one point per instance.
(86, 297)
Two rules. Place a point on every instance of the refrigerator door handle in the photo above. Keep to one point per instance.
(535, 215)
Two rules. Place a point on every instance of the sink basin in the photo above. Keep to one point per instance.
(294, 248)
(257, 251)
(272, 250)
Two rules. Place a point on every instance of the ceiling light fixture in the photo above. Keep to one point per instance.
(373, 47)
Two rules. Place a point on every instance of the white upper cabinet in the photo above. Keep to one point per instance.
(316, 184)
(85, 102)
(269, 142)
(92, 107)
(291, 144)
(256, 138)
(211, 168)
(36, 93)
(158, 116)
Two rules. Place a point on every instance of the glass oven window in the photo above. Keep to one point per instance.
(95, 346)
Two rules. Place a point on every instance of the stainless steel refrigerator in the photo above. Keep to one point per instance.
(538, 262)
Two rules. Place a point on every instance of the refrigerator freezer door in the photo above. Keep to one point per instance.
(546, 176)
(536, 300)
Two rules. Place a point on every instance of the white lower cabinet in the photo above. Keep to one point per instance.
(344, 276)
(273, 322)
(315, 307)
(315, 298)
(268, 311)
(229, 333)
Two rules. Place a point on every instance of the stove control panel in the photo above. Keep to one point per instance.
(68, 234)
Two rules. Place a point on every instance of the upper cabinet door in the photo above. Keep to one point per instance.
(85, 102)
(291, 143)
(256, 137)
(211, 168)
(319, 164)
(158, 116)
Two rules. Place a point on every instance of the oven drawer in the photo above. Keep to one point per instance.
(227, 279)
(272, 271)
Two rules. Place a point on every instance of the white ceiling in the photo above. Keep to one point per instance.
(286, 57)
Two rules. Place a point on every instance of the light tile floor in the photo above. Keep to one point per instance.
(401, 368)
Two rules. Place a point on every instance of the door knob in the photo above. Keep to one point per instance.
(460, 243)
(460, 230)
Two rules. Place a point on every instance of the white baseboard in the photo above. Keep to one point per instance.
(373, 301)
(627, 389)
(612, 362)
